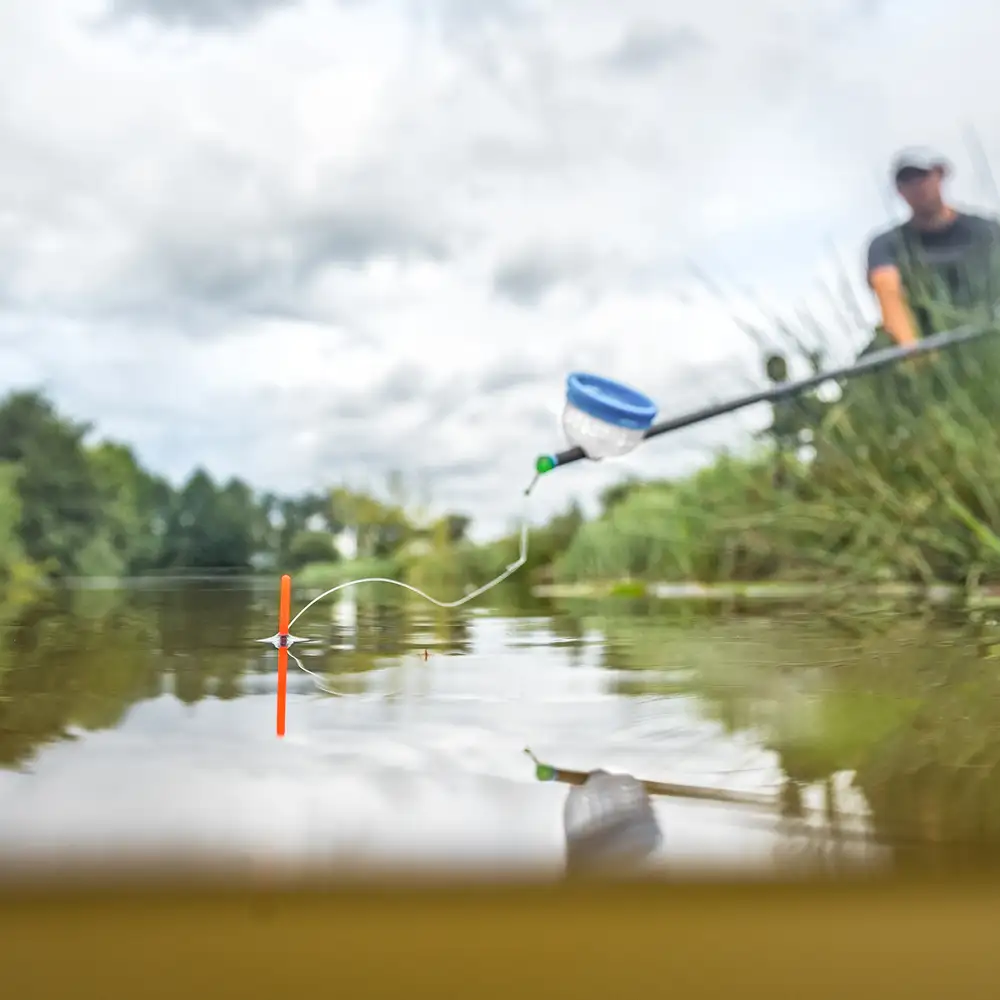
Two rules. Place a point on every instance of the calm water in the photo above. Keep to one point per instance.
(141, 720)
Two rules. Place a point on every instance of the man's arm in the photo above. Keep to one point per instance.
(887, 284)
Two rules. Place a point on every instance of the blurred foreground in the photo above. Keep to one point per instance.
(884, 941)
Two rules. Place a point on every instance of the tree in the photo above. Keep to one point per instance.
(458, 527)
(134, 507)
(60, 499)
(211, 528)
(312, 547)
(300, 514)
(19, 577)
(380, 529)
(235, 523)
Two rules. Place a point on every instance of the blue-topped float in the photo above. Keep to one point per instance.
(604, 418)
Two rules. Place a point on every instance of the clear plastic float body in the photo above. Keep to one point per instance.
(605, 419)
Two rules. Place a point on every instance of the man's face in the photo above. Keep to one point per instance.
(921, 189)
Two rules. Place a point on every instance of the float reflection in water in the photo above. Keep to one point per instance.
(609, 824)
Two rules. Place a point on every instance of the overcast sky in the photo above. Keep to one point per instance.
(310, 242)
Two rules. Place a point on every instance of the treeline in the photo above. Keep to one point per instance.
(71, 507)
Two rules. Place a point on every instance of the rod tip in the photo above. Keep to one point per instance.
(544, 463)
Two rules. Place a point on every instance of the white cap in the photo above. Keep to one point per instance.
(919, 158)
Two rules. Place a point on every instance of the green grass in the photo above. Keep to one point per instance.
(629, 589)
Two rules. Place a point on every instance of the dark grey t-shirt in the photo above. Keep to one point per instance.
(942, 249)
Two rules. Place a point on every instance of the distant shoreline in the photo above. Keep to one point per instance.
(760, 591)
(764, 591)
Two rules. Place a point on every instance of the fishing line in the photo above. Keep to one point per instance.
(316, 678)
(284, 639)
(324, 687)
(512, 568)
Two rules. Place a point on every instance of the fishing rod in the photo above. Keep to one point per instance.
(565, 776)
(762, 802)
(605, 419)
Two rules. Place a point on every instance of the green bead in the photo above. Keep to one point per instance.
(544, 464)
(545, 773)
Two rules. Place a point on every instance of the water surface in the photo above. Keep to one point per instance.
(145, 720)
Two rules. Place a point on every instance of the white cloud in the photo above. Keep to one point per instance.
(303, 242)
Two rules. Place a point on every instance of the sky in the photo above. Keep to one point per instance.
(310, 243)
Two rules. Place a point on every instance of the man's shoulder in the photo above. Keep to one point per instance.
(988, 224)
(883, 246)
(885, 237)
(977, 218)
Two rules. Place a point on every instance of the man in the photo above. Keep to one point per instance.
(939, 269)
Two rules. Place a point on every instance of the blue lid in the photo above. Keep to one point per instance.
(610, 401)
